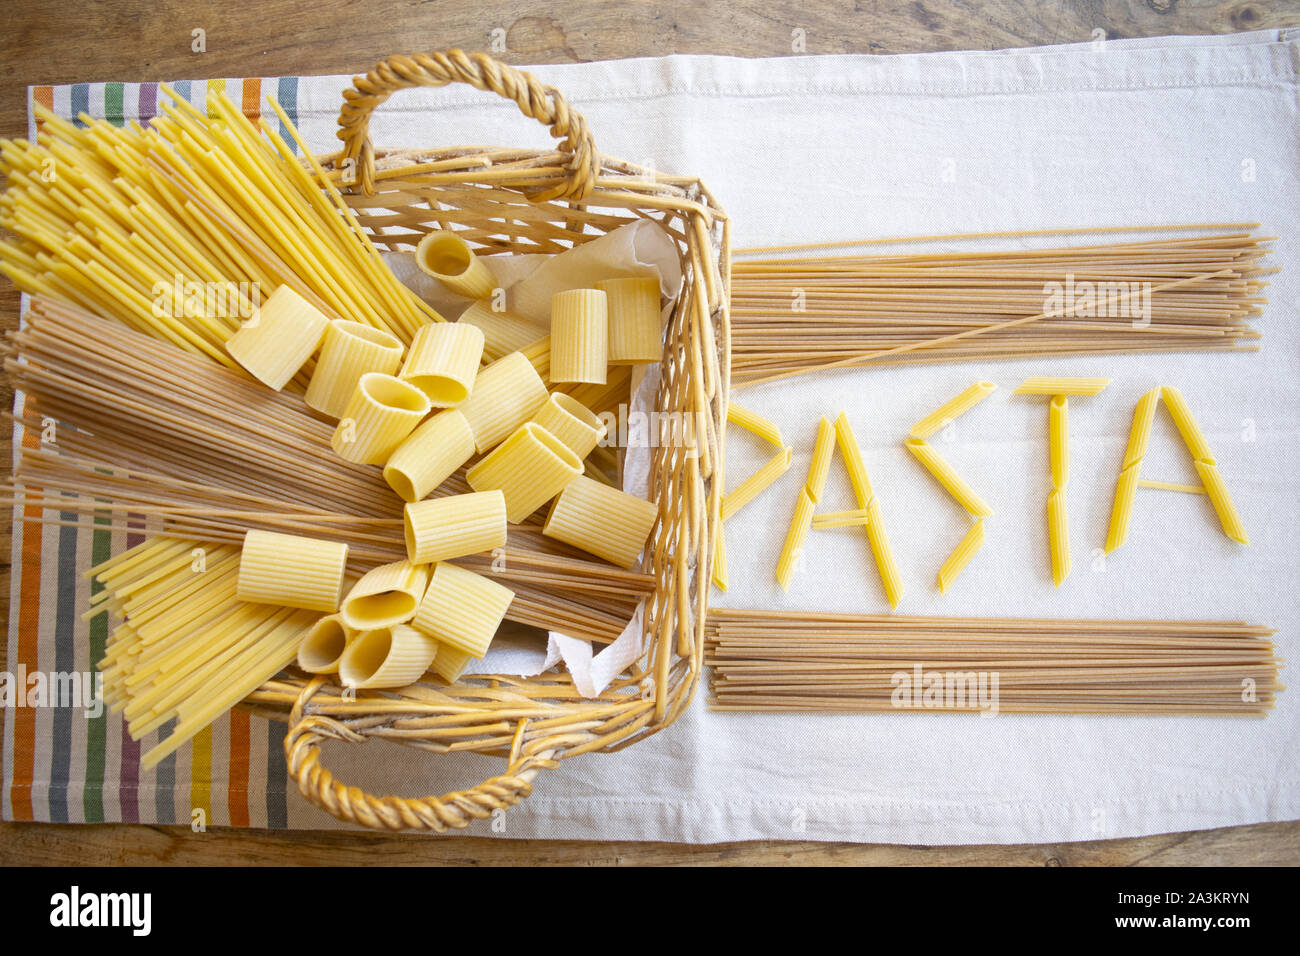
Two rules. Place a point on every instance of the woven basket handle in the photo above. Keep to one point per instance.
(455, 809)
(542, 103)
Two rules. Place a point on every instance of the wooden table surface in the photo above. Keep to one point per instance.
(135, 40)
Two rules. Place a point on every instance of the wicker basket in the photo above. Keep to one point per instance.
(529, 201)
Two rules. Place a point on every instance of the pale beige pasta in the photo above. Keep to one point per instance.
(530, 468)
(950, 409)
(279, 338)
(579, 336)
(1187, 427)
(852, 456)
(503, 332)
(884, 555)
(1058, 439)
(857, 518)
(291, 571)
(754, 423)
(382, 412)
(430, 455)
(947, 476)
(391, 656)
(635, 336)
(449, 259)
(1222, 501)
(756, 484)
(961, 556)
(388, 594)
(1062, 386)
(1140, 432)
(720, 559)
(443, 362)
(506, 394)
(441, 528)
(571, 422)
(462, 609)
(539, 356)
(350, 350)
(821, 459)
(1058, 536)
(323, 646)
(795, 537)
(1121, 510)
(1172, 486)
(601, 520)
(450, 662)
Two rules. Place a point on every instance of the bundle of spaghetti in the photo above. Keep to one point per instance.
(178, 230)
(781, 661)
(794, 313)
(147, 429)
(186, 648)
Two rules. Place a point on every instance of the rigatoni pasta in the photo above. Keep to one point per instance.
(462, 609)
(571, 422)
(450, 662)
(601, 520)
(382, 412)
(279, 338)
(448, 258)
(388, 594)
(430, 455)
(579, 336)
(635, 336)
(323, 646)
(503, 332)
(392, 656)
(506, 393)
(443, 361)
(291, 571)
(349, 350)
(530, 468)
(442, 528)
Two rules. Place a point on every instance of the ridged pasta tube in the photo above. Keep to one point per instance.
(503, 332)
(449, 259)
(635, 336)
(350, 350)
(506, 394)
(579, 336)
(462, 609)
(952, 408)
(1058, 536)
(947, 476)
(430, 455)
(388, 594)
(601, 520)
(277, 341)
(323, 646)
(291, 571)
(442, 528)
(530, 468)
(443, 361)
(961, 555)
(382, 412)
(571, 422)
(392, 656)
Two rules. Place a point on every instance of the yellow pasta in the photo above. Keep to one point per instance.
(450, 662)
(821, 460)
(579, 336)
(950, 409)
(571, 422)
(947, 476)
(430, 455)
(449, 259)
(291, 571)
(503, 332)
(1187, 427)
(1121, 511)
(1140, 432)
(795, 537)
(1222, 501)
(852, 456)
(350, 350)
(388, 594)
(1058, 536)
(382, 412)
(391, 656)
(1172, 486)
(454, 526)
(754, 423)
(1062, 386)
(635, 336)
(842, 519)
(506, 393)
(443, 361)
(462, 609)
(601, 520)
(720, 559)
(530, 468)
(961, 556)
(884, 555)
(279, 338)
(323, 646)
(1058, 439)
(755, 484)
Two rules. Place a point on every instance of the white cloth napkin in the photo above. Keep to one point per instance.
(819, 148)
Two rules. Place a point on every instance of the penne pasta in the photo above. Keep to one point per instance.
(961, 556)
(571, 422)
(443, 362)
(755, 484)
(842, 519)
(601, 520)
(429, 455)
(442, 528)
(720, 559)
(350, 350)
(795, 537)
(503, 332)
(448, 258)
(291, 571)
(821, 460)
(635, 336)
(1187, 427)
(1058, 439)
(1121, 511)
(506, 393)
(884, 555)
(323, 646)
(949, 410)
(947, 476)
(530, 468)
(1140, 432)
(1058, 536)
(852, 456)
(1172, 486)
(382, 412)
(462, 609)
(1222, 501)
(279, 338)
(754, 423)
(391, 656)
(579, 336)
(1062, 386)
(388, 594)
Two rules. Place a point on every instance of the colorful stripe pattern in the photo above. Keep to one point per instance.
(67, 764)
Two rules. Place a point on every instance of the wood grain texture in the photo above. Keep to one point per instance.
(48, 42)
